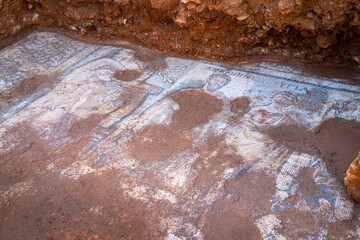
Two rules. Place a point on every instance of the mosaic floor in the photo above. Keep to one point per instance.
(115, 143)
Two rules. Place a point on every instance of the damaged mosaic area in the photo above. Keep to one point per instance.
(104, 142)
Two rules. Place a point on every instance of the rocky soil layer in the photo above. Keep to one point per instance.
(312, 30)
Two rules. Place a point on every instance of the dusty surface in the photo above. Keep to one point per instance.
(311, 31)
(239, 104)
(127, 75)
(159, 143)
(235, 211)
(337, 140)
(127, 143)
(196, 107)
(25, 88)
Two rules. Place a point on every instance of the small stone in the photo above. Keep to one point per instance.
(260, 33)
(30, 6)
(108, 19)
(357, 59)
(244, 40)
(235, 3)
(286, 6)
(122, 21)
(232, 198)
(356, 20)
(266, 28)
(201, 7)
(191, 6)
(317, 9)
(242, 16)
(163, 4)
(190, 1)
(310, 15)
(77, 16)
(181, 18)
(325, 41)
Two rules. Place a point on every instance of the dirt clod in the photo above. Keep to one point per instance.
(127, 75)
(239, 104)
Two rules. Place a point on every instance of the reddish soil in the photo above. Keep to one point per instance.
(305, 223)
(344, 231)
(212, 160)
(196, 107)
(336, 140)
(152, 59)
(237, 213)
(239, 104)
(30, 154)
(84, 126)
(159, 143)
(26, 87)
(297, 224)
(89, 208)
(348, 73)
(94, 207)
(312, 31)
(307, 184)
(50, 208)
(127, 75)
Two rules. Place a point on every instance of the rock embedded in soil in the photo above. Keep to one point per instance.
(216, 29)
(352, 179)
(325, 41)
(286, 6)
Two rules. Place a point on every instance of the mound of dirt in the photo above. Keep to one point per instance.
(315, 30)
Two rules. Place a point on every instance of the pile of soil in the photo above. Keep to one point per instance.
(314, 31)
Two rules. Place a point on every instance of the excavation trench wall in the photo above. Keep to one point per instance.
(313, 30)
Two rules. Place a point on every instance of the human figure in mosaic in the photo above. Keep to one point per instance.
(244, 129)
(212, 85)
(96, 92)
